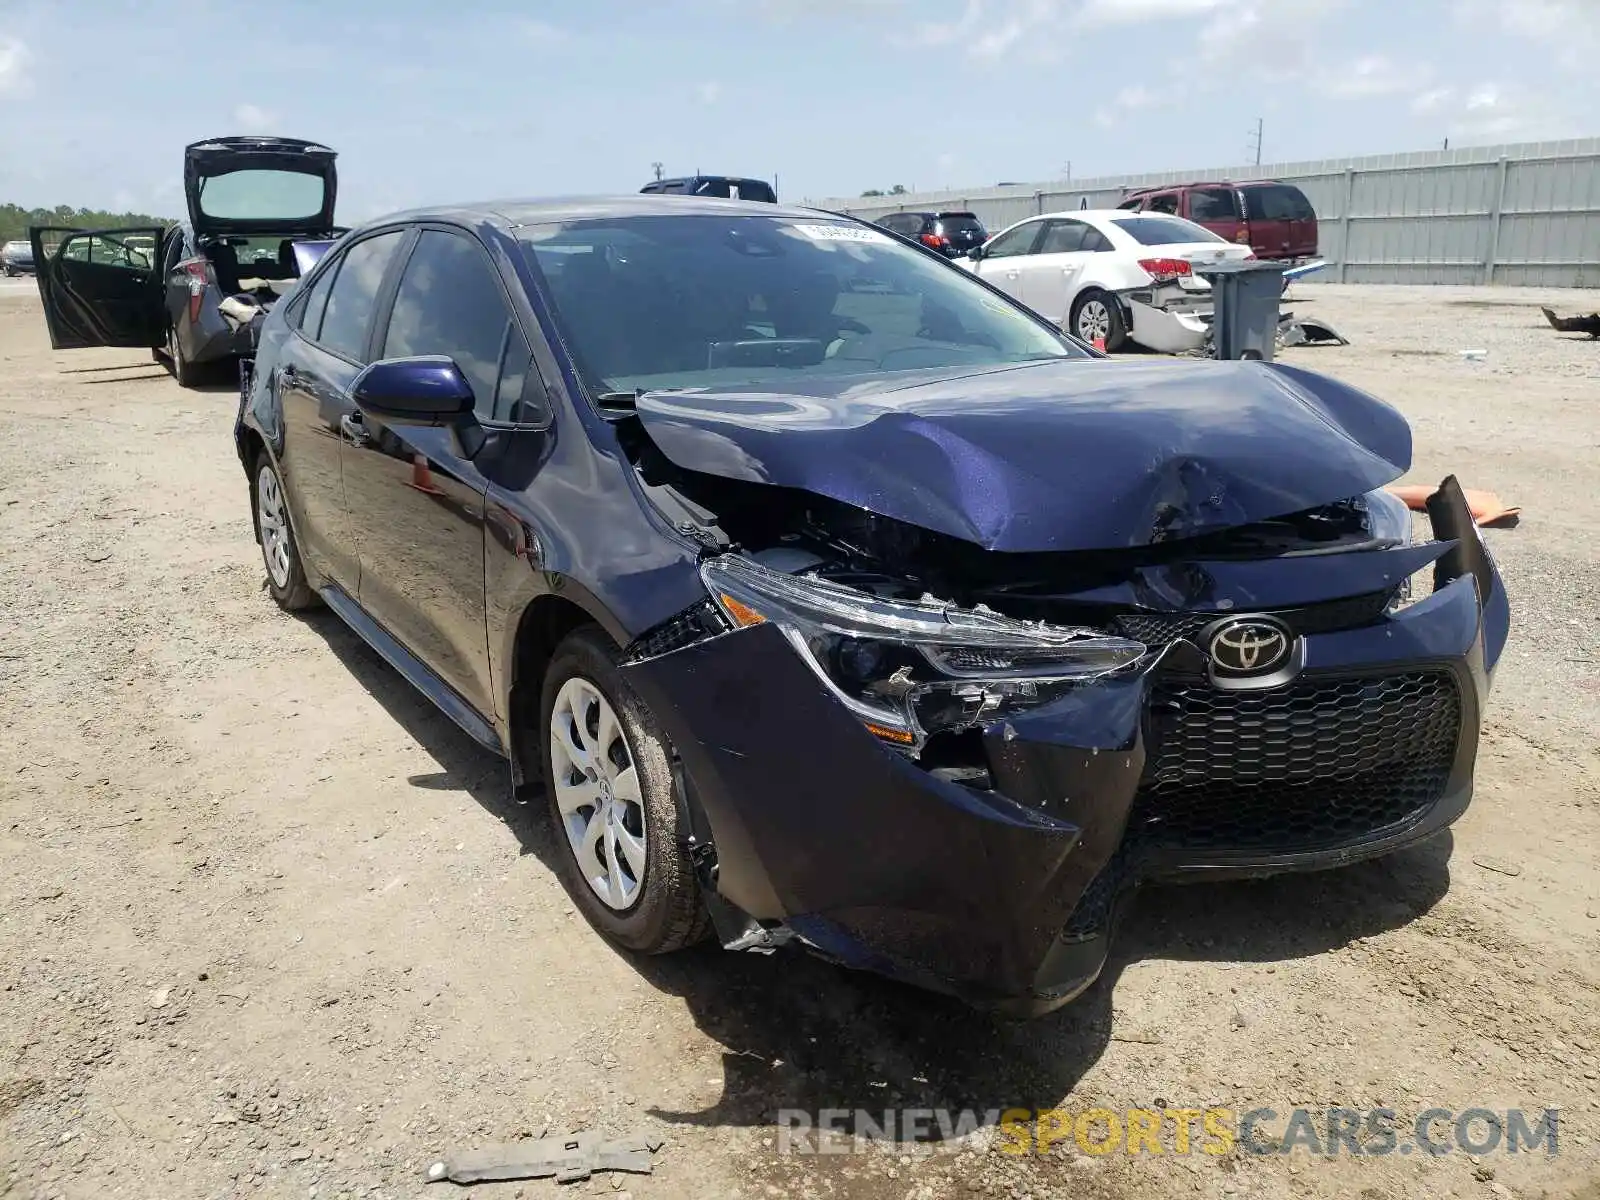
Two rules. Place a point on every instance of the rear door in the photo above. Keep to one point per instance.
(332, 313)
(96, 289)
(416, 504)
(259, 186)
(1005, 257)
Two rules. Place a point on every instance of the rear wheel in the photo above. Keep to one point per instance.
(286, 577)
(1098, 314)
(185, 372)
(608, 776)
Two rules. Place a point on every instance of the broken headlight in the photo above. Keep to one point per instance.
(908, 669)
(1390, 519)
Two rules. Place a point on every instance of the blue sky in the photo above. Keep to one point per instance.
(430, 102)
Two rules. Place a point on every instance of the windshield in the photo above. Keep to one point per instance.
(1164, 231)
(13, 247)
(713, 301)
(256, 195)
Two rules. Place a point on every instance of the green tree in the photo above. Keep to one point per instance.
(14, 219)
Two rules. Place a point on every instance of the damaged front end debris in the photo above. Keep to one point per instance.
(1054, 729)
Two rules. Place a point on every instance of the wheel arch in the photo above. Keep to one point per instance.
(544, 621)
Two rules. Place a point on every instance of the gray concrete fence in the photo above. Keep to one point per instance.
(1526, 214)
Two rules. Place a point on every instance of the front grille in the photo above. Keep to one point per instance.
(1315, 763)
(1308, 766)
(1352, 612)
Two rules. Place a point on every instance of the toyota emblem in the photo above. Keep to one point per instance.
(1249, 646)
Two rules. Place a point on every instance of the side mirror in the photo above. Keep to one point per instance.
(426, 390)
(975, 253)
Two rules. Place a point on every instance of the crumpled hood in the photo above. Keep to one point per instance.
(1068, 455)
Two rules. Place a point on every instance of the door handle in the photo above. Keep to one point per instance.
(351, 426)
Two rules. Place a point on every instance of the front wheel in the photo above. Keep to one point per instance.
(1098, 315)
(286, 577)
(608, 776)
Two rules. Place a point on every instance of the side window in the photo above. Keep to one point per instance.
(348, 315)
(1212, 204)
(450, 302)
(516, 364)
(1062, 237)
(1096, 241)
(308, 319)
(1013, 242)
(1166, 203)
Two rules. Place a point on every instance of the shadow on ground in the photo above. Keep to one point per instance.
(801, 1034)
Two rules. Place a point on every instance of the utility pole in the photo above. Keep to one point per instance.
(1257, 134)
(656, 167)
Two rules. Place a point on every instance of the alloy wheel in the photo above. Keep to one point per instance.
(597, 793)
(273, 523)
(1094, 320)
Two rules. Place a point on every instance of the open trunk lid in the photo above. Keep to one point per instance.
(262, 185)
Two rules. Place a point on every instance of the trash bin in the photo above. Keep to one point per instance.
(1245, 293)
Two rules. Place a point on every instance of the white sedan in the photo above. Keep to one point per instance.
(1110, 274)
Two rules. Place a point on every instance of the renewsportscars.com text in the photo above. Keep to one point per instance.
(1211, 1131)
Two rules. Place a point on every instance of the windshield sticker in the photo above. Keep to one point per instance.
(840, 233)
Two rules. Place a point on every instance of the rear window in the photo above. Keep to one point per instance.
(1164, 231)
(954, 224)
(262, 195)
(1277, 202)
(737, 189)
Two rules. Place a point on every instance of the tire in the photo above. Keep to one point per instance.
(280, 553)
(1101, 313)
(662, 911)
(185, 372)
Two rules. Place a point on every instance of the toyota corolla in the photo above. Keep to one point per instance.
(823, 595)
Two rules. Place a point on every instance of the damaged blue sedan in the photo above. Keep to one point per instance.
(826, 596)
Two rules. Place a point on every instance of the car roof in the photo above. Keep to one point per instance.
(1100, 214)
(510, 214)
(1194, 183)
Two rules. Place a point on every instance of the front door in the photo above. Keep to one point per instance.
(333, 319)
(96, 288)
(416, 500)
(1050, 276)
(1005, 256)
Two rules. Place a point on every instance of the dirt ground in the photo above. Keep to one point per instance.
(270, 925)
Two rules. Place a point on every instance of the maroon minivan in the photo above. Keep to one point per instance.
(1274, 219)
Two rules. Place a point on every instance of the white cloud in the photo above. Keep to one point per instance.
(1123, 12)
(1432, 100)
(708, 92)
(540, 33)
(1131, 100)
(15, 60)
(1265, 38)
(254, 118)
(1568, 28)
(1492, 111)
(1373, 75)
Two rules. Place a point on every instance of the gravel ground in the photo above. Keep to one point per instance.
(271, 926)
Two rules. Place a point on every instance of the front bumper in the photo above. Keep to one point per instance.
(1006, 897)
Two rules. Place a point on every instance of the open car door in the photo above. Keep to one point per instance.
(97, 289)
